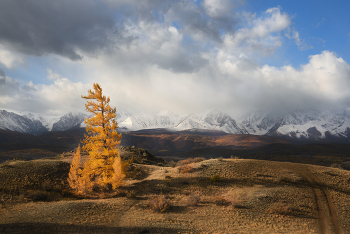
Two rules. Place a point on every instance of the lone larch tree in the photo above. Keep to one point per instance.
(103, 167)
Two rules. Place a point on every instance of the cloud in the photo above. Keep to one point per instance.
(260, 35)
(320, 22)
(157, 55)
(53, 75)
(300, 43)
(56, 99)
(11, 59)
(201, 22)
(220, 8)
(67, 28)
(322, 82)
(2, 73)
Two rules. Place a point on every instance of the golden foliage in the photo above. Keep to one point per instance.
(103, 167)
(74, 175)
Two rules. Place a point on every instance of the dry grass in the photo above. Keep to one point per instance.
(220, 201)
(190, 160)
(186, 168)
(196, 203)
(193, 199)
(282, 208)
(159, 204)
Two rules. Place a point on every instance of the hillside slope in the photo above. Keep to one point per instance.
(252, 196)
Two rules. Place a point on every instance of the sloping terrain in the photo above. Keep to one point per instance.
(160, 142)
(253, 196)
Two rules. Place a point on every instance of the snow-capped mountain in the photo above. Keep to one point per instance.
(68, 121)
(303, 124)
(14, 122)
(259, 122)
(47, 121)
(138, 121)
(211, 120)
(313, 124)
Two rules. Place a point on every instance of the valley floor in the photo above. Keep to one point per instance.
(253, 196)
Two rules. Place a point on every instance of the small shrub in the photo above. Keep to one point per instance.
(190, 160)
(281, 208)
(186, 169)
(193, 199)
(220, 159)
(57, 188)
(285, 179)
(39, 196)
(159, 204)
(131, 194)
(46, 185)
(136, 173)
(215, 178)
(337, 165)
(172, 163)
(220, 201)
(234, 157)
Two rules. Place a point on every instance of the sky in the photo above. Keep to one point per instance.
(183, 56)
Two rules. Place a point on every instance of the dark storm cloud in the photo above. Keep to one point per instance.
(64, 27)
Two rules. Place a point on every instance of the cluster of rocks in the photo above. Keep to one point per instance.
(140, 156)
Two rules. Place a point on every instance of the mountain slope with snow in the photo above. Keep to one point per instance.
(47, 121)
(259, 122)
(303, 124)
(211, 120)
(138, 121)
(68, 121)
(313, 124)
(14, 122)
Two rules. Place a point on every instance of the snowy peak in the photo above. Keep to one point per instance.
(121, 115)
(47, 121)
(212, 120)
(68, 121)
(259, 122)
(14, 122)
(138, 121)
(302, 124)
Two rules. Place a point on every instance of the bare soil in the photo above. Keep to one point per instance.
(253, 196)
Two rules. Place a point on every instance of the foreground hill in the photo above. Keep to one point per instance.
(253, 196)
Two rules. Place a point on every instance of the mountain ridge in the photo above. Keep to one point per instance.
(302, 124)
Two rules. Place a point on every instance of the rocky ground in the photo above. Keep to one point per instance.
(209, 196)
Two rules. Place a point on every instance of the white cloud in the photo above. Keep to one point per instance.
(218, 8)
(300, 43)
(11, 59)
(190, 67)
(173, 30)
(53, 75)
(259, 35)
(56, 99)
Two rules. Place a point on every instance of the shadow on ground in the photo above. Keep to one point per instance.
(44, 228)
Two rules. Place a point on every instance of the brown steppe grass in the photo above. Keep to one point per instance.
(251, 196)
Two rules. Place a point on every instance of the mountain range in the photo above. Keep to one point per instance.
(302, 124)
